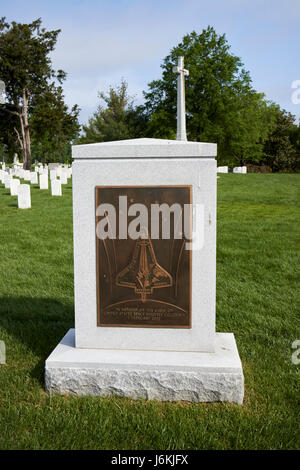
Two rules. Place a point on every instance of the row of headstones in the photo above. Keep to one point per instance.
(39, 176)
(236, 169)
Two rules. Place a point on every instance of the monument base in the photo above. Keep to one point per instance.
(153, 375)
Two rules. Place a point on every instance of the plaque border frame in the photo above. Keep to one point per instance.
(121, 325)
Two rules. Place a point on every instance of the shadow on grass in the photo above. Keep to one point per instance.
(37, 324)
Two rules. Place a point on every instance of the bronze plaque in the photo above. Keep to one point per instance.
(146, 281)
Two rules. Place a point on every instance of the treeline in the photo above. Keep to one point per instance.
(34, 121)
(222, 105)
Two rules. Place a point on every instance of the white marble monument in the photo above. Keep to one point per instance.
(160, 360)
(145, 298)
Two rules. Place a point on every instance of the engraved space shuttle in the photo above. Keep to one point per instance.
(143, 273)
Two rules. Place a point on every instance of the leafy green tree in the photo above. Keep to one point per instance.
(8, 139)
(221, 104)
(294, 135)
(117, 119)
(283, 143)
(53, 126)
(26, 69)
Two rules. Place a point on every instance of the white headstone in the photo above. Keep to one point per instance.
(27, 175)
(24, 198)
(56, 188)
(21, 173)
(240, 169)
(14, 187)
(59, 171)
(222, 169)
(52, 174)
(7, 180)
(63, 177)
(34, 178)
(53, 166)
(43, 181)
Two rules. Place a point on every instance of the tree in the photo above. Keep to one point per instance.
(283, 142)
(8, 139)
(53, 126)
(25, 67)
(118, 119)
(221, 104)
(294, 134)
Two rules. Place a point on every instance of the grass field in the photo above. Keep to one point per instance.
(257, 300)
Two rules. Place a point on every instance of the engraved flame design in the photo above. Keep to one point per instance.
(143, 273)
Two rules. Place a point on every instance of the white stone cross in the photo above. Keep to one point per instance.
(181, 126)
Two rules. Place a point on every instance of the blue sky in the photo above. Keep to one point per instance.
(104, 40)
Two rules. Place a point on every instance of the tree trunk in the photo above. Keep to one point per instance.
(25, 133)
(24, 136)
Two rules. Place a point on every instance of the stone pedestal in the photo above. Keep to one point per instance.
(158, 375)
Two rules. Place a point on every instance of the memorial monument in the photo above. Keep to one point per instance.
(144, 214)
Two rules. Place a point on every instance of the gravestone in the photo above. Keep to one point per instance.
(27, 175)
(24, 198)
(145, 286)
(21, 173)
(43, 181)
(53, 166)
(56, 188)
(52, 174)
(7, 179)
(222, 169)
(58, 171)
(14, 187)
(34, 178)
(240, 169)
(64, 177)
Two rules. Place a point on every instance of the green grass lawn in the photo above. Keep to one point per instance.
(257, 300)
